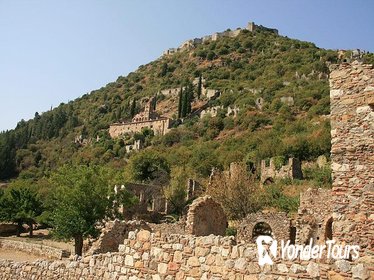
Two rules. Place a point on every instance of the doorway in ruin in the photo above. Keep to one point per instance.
(292, 235)
(268, 181)
(328, 229)
(261, 228)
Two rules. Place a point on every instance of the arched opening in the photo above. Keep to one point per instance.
(292, 235)
(261, 228)
(150, 205)
(268, 181)
(328, 229)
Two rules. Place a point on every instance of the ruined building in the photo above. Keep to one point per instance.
(270, 172)
(192, 43)
(146, 119)
(352, 153)
(314, 218)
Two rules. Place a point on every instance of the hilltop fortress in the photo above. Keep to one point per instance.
(189, 44)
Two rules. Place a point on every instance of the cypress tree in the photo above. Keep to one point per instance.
(180, 103)
(132, 109)
(190, 97)
(199, 87)
(184, 103)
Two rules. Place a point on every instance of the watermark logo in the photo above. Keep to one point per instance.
(267, 248)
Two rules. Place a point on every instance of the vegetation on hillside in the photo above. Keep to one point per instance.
(250, 66)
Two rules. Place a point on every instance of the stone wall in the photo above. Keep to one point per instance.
(146, 255)
(290, 170)
(113, 234)
(35, 249)
(278, 222)
(160, 127)
(352, 153)
(205, 216)
(151, 200)
(314, 217)
(8, 229)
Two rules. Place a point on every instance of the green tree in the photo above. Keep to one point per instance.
(199, 87)
(180, 103)
(176, 191)
(20, 204)
(148, 166)
(84, 197)
(133, 108)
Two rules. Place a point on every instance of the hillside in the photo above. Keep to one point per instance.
(253, 65)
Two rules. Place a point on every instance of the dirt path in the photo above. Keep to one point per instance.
(17, 256)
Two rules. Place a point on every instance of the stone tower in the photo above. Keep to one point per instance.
(148, 109)
(352, 153)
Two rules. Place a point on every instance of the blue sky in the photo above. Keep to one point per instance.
(56, 51)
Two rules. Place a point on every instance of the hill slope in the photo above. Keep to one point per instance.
(253, 65)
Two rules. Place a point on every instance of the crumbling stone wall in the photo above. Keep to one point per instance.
(113, 234)
(146, 255)
(159, 126)
(352, 153)
(151, 200)
(8, 229)
(278, 222)
(291, 170)
(236, 171)
(314, 217)
(205, 216)
(35, 249)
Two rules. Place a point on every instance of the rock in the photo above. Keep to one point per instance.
(343, 265)
(313, 270)
(240, 264)
(162, 268)
(296, 268)
(360, 272)
(282, 268)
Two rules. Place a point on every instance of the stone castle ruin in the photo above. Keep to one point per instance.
(145, 119)
(191, 44)
(345, 214)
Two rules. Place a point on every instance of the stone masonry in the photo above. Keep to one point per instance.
(352, 153)
(205, 216)
(146, 255)
(314, 217)
(145, 119)
(291, 170)
(279, 224)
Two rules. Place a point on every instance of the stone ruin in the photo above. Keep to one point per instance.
(192, 43)
(205, 216)
(113, 234)
(151, 200)
(314, 217)
(352, 132)
(269, 173)
(276, 225)
(145, 119)
(236, 170)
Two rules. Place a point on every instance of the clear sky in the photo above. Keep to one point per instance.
(56, 51)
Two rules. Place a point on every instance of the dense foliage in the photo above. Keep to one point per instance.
(244, 69)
